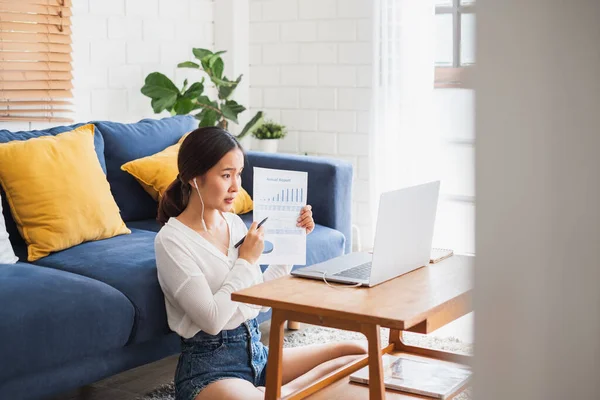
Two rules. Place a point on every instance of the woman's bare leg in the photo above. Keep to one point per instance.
(239, 389)
(231, 389)
(297, 361)
(318, 372)
(301, 366)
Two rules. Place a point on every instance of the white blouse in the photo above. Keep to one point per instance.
(197, 279)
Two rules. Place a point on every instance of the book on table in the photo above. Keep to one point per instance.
(438, 255)
(424, 378)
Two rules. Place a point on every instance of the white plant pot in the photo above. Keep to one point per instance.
(267, 145)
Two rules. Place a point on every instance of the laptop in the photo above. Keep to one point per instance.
(403, 238)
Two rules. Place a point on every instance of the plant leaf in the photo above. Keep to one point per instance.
(185, 83)
(158, 85)
(218, 82)
(218, 67)
(163, 103)
(251, 125)
(188, 64)
(207, 117)
(201, 53)
(205, 101)
(213, 58)
(204, 56)
(183, 106)
(235, 106)
(195, 90)
(231, 109)
(228, 113)
(226, 90)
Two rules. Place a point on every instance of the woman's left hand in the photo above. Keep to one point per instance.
(305, 220)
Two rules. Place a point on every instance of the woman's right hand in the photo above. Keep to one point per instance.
(253, 245)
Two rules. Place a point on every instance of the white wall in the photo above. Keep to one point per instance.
(310, 69)
(537, 282)
(117, 43)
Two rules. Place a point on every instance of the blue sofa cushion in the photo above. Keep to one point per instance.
(126, 142)
(8, 136)
(145, 224)
(51, 317)
(128, 264)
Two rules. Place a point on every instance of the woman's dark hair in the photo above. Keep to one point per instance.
(200, 151)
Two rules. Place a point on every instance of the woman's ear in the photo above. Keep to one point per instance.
(196, 182)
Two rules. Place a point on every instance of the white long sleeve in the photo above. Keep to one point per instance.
(197, 279)
(273, 271)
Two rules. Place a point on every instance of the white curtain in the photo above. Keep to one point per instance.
(403, 148)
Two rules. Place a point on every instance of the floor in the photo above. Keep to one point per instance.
(134, 383)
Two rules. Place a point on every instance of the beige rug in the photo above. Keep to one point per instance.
(314, 334)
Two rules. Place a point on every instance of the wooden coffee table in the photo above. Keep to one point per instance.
(419, 301)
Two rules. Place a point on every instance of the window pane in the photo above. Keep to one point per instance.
(454, 111)
(455, 226)
(457, 169)
(443, 40)
(442, 2)
(467, 2)
(467, 36)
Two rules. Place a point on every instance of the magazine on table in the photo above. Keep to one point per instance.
(425, 378)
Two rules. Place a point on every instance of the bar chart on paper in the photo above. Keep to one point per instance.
(289, 195)
(280, 195)
(286, 199)
(283, 207)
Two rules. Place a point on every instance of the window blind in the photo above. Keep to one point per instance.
(35, 60)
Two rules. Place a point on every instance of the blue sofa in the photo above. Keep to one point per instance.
(96, 309)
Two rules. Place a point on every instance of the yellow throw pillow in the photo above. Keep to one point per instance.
(156, 172)
(57, 192)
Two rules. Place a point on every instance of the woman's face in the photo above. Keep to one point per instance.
(222, 182)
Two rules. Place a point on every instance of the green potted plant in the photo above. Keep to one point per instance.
(268, 134)
(166, 95)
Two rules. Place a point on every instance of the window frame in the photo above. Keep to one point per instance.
(456, 76)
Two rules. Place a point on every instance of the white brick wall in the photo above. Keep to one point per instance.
(117, 43)
(311, 70)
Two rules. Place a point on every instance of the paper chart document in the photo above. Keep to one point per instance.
(280, 195)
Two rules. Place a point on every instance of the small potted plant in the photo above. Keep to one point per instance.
(268, 135)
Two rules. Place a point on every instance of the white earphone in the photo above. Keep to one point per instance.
(198, 190)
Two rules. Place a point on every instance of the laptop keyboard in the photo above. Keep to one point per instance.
(362, 271)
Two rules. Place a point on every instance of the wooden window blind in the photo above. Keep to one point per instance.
(35, 60)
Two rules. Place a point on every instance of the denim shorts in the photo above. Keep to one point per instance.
(235, 353)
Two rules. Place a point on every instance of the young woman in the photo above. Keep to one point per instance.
(198, 269)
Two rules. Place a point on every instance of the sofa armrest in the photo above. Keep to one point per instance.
(329, 186)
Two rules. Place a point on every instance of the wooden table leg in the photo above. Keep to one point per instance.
(397, 338)
(376, 387)
(274, 372)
